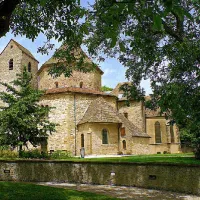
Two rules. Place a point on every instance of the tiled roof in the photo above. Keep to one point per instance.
(24, 50)
(131, 127)
(116, 90)
(99, 111)
(54, 60)
(76, 90)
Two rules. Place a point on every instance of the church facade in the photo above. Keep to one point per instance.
(88, 118)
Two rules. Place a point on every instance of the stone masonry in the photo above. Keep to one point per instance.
(87, 117)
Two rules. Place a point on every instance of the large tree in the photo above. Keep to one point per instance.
(22, 118)
(155, 39)
(158, 40)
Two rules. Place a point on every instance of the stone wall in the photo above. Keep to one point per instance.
(68, 110)
(10, 52)
(93, 138)
(90, 80)
(34, 68)
(166, 143)
(172, 177)
(135, 113)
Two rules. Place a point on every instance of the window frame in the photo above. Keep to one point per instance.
(104, 137)
(158, 137)
(29, 67)
(10, 64)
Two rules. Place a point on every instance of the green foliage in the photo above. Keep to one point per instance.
(106, 88)
(8, 154)
(22, 119)
(158, 40)
(34, 154)
(24, 191)
(59, 154)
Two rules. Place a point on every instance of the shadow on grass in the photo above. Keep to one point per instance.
(26, 191)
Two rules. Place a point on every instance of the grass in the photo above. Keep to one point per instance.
(181, 158)
(187, 158)
(24, 191)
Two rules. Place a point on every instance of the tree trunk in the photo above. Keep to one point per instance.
(6, 9)
(20, 150)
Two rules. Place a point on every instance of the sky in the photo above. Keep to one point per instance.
(114, 71)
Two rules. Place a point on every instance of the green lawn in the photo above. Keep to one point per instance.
(187, 158)
(24, 191)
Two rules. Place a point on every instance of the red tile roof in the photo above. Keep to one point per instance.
(76, 90)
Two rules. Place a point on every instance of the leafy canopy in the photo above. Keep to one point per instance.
(22, 119)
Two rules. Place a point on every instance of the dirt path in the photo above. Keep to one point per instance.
(128, 193)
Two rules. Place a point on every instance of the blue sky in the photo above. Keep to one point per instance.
(114, 72)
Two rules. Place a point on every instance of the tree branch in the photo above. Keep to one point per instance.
(6, 9)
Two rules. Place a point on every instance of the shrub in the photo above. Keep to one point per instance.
(35, 153)
(8, 154)
(59, 154)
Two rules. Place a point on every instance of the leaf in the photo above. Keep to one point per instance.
(113, 42)
(43, 2)
(157, 22)
(122, 47)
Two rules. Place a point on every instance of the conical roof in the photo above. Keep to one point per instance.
(77, 53)
(100, 111)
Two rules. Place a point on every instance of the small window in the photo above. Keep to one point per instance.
(82, 140)
(124, 144)
(29, 67)
(56, 84)
(123, 132)
(81, 84)
(11, 64)
(126, 115)
(157, 132)
(11, 46)
(104, 136)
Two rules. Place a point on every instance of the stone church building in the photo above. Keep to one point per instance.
(100, 122)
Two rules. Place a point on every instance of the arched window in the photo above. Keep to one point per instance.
(157, 132)
(124, 144)
(81, 84)
(82, 140)
(172, 134)
(11, 64)
(29, 67)
(104, 136)
(56, 84)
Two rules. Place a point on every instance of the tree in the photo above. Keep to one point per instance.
(22, 119)
(155, 39)
(106, 88)
(158, 40)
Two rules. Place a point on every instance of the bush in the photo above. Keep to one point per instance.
(8, 154)
(33, 154)
(59, 154)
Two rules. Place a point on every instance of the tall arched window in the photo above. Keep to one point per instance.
(172, 134)
(82, 140)
(157, 132)
(11, 64)
(29, 67)
(124, 144)
(104, 136)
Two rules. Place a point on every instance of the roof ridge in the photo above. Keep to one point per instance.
(23, 49)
